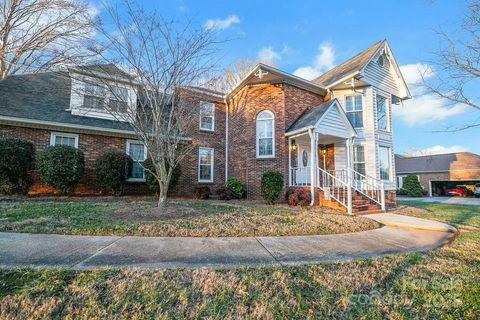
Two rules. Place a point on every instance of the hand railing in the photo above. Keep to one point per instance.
(370, 187)
(333, 187)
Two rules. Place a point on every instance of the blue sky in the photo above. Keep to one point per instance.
(308, 37)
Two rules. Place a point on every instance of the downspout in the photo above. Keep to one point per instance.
(226, 140)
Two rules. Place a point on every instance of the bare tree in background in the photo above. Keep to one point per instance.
(42, 34)
(162, 60)
(459, 64)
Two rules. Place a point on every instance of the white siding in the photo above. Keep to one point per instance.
(332, 123)
(340, 156)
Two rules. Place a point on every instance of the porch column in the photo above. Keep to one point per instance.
(289, 161)
(349, 175)
(313, 142)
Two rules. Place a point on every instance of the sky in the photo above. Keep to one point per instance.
(307, 38)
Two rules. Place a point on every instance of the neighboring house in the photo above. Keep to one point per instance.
(440, 171)
(332, 135)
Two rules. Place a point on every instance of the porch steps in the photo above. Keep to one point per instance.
(360, 203)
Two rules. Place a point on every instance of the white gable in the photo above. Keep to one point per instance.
(386, 76)
(335, 123)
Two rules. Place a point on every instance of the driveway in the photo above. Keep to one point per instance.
(398, 235)
(445, 200)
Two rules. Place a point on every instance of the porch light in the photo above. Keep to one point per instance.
(294, 145)
(324, 151)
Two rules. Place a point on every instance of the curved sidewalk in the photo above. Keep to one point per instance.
(87, 252)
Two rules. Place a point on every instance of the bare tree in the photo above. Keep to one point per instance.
(161, 62)
(458, 64)
(42, 34)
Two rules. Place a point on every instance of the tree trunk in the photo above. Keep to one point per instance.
(162, 195)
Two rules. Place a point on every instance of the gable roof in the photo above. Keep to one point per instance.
(437, 163)
(45, 97)
(352, 65)
(311, 117)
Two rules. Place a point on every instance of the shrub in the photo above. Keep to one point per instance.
(152, 182)
(298, 197)
(201, 192)
(16, 157)
(61, 167)
(237, 187)
(272, 185)
(411, 186)
(112, 171)
(225, 193)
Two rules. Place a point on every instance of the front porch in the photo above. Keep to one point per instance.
(320, 158)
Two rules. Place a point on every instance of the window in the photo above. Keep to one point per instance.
(381, 61)
(118, 101)
(94, 97)
(207, 116)
(385, 162)
(382, 119)
(63, 139)
(205, 165)
(359, 159)
(354, 108)
(265, 136)
(137, 151)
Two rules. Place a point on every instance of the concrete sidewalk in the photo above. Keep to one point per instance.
(87, 252)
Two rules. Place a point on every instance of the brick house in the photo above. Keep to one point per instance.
(332, 135)
(440, 171)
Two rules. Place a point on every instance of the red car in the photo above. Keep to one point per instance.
(456, 192)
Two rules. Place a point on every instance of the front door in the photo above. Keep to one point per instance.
(303, 171)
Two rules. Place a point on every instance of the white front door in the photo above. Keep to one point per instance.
(303, 171)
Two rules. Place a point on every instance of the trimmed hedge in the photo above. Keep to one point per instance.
(237, 187)
(298, 197)
(272, 186)
(152, 182)
(16, 158)
(411, 186)
(112, 171)
(61, 167)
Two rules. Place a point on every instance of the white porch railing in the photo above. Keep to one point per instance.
(370, 187)
(333, 187)
(300, 176)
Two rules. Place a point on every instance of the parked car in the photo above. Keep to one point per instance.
(459, 192)
(476, 192)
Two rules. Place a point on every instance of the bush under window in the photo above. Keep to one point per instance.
(16, 157)
(225, 193)
(411, 186)
(61, 167)
(237, 187)
(201, 192)
(271, 186)
(112, 171)
(152, 182)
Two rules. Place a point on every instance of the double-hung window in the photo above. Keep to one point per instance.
(64, 139)
(205, 164)
(354, 109)
(359, 160)
(138, 152)
(118, 101)
(207, 116)
(94, 97)
(382, 115)
(385, 162)
(265, 135)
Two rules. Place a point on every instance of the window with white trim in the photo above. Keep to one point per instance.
(118, 101)
(94, 97)
(359, 159)
(354, 110)
(138, 152)
(265, 135)
(98, 98)
(205, 164)
(64, 139)
(385, 162)
(382, 114)
(207, 116)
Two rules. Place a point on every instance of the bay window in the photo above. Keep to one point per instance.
(384, 162)
(382, 118)
(359, 160)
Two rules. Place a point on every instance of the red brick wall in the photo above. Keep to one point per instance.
(287, 103)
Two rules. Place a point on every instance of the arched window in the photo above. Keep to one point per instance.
(265, 135)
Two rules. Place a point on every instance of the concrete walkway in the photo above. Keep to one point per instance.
(87, 252)
(444, 200)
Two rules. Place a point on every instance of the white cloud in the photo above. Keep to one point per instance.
(438, 149)
(324, 60)
(424, 107)
(268, 56)
(222, 24)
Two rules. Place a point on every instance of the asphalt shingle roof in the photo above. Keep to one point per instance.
(437, 163)
(348, 67)
(310, 116)
(46, 97)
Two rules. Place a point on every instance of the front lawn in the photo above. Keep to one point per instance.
(441, 284)
(183, 218)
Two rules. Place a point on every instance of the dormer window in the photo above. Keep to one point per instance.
(94, 97)
(98, 98)
(118, 101)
